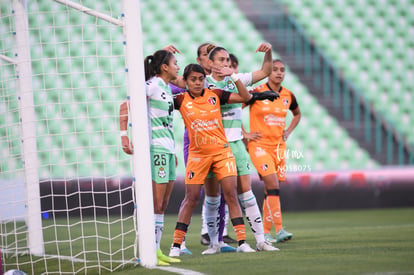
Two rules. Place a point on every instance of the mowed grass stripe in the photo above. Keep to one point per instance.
(326, 242)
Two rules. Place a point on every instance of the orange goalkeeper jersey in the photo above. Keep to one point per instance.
(202, 118)
(269, 118)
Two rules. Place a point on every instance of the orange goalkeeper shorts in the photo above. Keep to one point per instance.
(222, 165)
(269, 160)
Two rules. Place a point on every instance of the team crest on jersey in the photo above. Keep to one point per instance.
(265, 167)
(161, 172)
(190, 175)
(212, 100)
(230, 86)
(285, 102)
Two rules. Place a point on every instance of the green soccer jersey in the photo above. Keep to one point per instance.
(160, 114)
(231, 113)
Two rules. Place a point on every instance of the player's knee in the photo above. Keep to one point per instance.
(158, 208)
(164, 205)
(231, 198)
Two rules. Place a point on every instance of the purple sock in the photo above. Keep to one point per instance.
(186, 145)
(222, 213)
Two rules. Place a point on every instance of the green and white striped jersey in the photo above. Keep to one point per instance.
(231, 114)
(160, 107)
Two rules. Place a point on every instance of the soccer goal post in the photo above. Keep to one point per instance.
(71, 201)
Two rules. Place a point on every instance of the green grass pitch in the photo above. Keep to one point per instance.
(374, 241)
(329, 242)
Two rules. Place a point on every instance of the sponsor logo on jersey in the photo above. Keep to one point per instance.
(212, 100)
(204, 125)
(167, 125)
(272, 120)
(228, 114)
(285, 101)
(264, 167)
(161, 172)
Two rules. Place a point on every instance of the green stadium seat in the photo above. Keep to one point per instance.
(387, 40)
(93, 103)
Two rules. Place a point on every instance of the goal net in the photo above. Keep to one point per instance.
(66, 187)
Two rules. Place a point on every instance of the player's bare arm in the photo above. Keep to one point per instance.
(123, 125)
(243, 95)
(267, 64)
(295, 121)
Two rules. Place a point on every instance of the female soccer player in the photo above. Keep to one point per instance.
(160, 69)
(267, 146)
(232, 122)
(209, 150)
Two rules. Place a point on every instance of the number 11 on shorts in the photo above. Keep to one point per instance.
(230, 166)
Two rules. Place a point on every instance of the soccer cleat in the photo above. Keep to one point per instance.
(213, 249)
(225, 248)
(205, 239)
(166, 259)
(283, 236)
(266, 246)
(185, 251)
(162, 263)
(269, 238)
(244, 248)
(174, 251)
(228, 239)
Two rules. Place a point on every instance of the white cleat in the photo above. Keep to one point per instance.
(213, 249)
(244, 248)
(174, 251)
(266, 246)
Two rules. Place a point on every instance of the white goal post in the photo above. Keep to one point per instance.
(136, 80)
(84, 209)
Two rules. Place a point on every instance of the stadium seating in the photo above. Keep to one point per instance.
(372, 43)
(70, 118)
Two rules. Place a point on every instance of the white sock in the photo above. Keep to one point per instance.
(253, 215)
(183, 244)
(226, 219)
(203, 220)
(211, 205)
(159, 227)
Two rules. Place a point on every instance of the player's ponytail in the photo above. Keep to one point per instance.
(148, 61)
(152, 63)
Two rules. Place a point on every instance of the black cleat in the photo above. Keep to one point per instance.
(228, 239)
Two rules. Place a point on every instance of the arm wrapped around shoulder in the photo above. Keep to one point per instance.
(270, 95)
